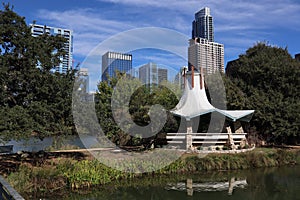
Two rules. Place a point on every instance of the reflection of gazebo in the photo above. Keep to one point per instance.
(190, 187)
(194, 103)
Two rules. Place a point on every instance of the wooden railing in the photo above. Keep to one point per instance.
(205, 138)
(7, 192)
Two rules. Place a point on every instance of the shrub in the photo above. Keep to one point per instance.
(200, 148)
(225, 148)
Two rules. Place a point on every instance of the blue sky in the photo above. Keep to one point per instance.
(238, 24)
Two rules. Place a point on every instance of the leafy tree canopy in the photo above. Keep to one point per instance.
(142, 97)
(33, 100)
(270, 79)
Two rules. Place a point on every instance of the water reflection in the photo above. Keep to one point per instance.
(259, 184)
(190, 187)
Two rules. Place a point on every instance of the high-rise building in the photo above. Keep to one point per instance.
(203, 25)
(162, 75)
(83, 77)
(151, 73)
(205, 54)
(67, 59)
(114, 61)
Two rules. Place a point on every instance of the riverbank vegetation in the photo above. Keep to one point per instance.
(55, 175)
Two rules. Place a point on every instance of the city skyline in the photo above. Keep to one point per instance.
(238, 25)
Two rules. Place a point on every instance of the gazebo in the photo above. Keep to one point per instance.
(194, 103)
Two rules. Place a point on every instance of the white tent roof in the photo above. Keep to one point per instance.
(194, 102)
(243, 115)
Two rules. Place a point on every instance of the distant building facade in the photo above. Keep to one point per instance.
(203, 25)
(67, 60)
(206, 54)
(178, 80)
(151, 73)
(83, 84)
(83, 75)
(297, 56)
(162, 75)
(114, 61)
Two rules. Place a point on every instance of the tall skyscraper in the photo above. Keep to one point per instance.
(205, 54)
(114, 61)
(66, 60)
(151, 73)
(203, 25)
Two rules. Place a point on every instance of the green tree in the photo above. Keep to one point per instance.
(270, 79)
(33, 101)
(142, 97)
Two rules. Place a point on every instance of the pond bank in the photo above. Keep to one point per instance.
(58, 173)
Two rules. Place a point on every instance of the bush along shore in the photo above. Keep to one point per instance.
(59, 174)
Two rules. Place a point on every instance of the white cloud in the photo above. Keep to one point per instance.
(89, 28)
(247, 12)
(237, 23)
(154, 3)
(83, 19)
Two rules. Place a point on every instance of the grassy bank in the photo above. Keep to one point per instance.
(59, 174)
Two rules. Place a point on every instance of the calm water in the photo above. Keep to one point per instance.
(264, 184)
(34, 144)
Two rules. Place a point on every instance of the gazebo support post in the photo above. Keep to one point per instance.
(189, 131)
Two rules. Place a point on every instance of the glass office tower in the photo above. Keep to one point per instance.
(114, 61)
(203, 25)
